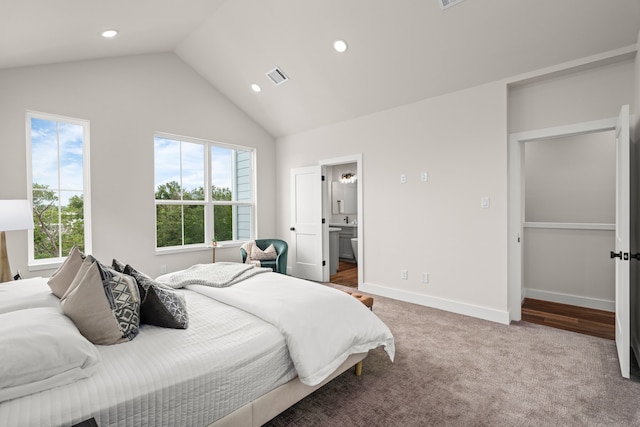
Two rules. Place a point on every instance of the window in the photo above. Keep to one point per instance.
(58, 168)
(203, 192)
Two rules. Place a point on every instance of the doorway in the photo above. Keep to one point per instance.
(568, 231)
(342, 211)
(538, 223)
(622, 227)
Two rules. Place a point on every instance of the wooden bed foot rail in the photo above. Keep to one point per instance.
(358, 368)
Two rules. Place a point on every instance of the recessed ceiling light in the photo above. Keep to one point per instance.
(108, 34)
(256, 87)
(340, 45)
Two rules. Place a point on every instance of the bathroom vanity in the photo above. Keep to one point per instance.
(346, 233)
(334, 249)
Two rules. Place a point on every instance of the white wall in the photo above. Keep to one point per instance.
(567, 98)
(571, 179)
(460, 139)
(126, 100)
(437, 227)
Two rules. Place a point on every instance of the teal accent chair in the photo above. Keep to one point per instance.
(279, 265)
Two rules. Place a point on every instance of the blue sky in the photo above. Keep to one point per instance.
(50, 145)
(167, 164)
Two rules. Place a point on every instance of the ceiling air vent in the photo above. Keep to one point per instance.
(448, 3)
(277, 76)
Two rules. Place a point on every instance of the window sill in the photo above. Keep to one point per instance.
(197, 248)
(47, 265)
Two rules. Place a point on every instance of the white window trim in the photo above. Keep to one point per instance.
(207, 202)
(48, 263)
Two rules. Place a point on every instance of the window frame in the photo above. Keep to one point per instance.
(54, 262)
(208, 201)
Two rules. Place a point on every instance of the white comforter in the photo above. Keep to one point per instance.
(322, 326)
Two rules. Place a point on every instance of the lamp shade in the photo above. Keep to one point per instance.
(15, 215)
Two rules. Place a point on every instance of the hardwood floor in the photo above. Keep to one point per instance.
(347, 275)
(597, 323)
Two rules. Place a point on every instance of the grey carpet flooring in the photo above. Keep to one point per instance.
(453, 370)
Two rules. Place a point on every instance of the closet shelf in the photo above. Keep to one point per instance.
(570, 225)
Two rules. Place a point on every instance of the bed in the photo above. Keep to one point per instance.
(236, 363)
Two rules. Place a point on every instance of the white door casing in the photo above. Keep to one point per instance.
(306, 241)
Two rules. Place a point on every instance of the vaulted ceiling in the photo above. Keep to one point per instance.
(399, 51)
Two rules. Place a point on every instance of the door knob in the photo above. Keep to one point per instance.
(616, 255)
(292, 229)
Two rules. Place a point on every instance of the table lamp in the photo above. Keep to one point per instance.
(14, 215)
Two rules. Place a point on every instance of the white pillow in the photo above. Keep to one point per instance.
(26, 293)
(41, 348)
(268, 254)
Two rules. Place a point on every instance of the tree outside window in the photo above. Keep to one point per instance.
(202, 192)
(58, 172)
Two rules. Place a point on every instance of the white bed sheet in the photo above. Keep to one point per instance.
(168, 377)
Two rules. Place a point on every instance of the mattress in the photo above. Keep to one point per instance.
(168, 377)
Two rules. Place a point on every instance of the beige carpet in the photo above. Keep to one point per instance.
(452, 370)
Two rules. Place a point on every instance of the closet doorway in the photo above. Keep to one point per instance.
(518, 222)
(569, 220)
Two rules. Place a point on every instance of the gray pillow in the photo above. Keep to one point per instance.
(161, 306)
(118, 266)
(103, 304)
(64, 275)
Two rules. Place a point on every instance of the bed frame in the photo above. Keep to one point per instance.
(264, 408)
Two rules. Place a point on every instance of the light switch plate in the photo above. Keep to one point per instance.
(484, 202)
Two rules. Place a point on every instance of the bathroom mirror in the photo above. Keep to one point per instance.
(344, 198)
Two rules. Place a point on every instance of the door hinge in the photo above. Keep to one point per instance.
(322, 179)
(324, 263)
(323, 220)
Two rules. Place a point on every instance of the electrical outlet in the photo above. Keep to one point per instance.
(163, 269)
(425, 278)
(403, 178)
(424, 177)
(404, 274)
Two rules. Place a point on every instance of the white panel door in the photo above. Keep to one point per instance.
(622, 240)
(306, 223)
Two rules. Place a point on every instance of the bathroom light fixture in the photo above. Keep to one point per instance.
(256, 87)
(340, 46)
(109, 34)
(348, 178)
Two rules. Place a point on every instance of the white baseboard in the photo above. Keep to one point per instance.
(599, 304)
(479, 312)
